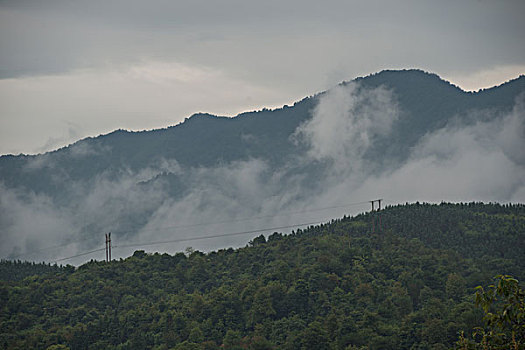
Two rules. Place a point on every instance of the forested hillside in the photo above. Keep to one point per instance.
(399, 278)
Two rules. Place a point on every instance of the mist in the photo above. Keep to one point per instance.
(480, 160)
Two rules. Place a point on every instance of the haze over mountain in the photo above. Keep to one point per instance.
(398, 135)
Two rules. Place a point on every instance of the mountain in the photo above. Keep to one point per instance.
(399, 278)
(324, 150)
(426, 101)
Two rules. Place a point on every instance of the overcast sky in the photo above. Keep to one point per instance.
(71, 69)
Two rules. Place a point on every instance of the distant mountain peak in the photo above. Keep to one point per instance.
(403, 78)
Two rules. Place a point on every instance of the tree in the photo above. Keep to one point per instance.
(258, 240)
(232, 339)
(315, 337)
(504, 307)
(455, 286)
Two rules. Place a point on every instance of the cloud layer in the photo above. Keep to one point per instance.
(481, 160)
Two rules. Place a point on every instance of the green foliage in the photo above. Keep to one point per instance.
(333, 286)
(18, 270)
(504, 307)
(455, 286)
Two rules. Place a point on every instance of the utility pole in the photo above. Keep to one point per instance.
(373, 223)
(108, 247)
(378, 202)
(373, 209)
(380, 226)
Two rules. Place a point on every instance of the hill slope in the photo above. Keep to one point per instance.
(396, 279)
(404, 135)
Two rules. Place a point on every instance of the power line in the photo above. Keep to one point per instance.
(214, 236)
(81, 254)
(200, 224)
(145, 244)
(251, 218)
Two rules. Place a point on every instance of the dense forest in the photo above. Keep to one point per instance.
(400, 278)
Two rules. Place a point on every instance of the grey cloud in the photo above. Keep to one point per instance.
(225, 196)
(347, 121)
(458, 163)
(30, 222)
(261, 39)
(461, 162)
(477, 162)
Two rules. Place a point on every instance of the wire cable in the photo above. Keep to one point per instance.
(199, 224)
(249, 218)
(144, 244)
(81, 254)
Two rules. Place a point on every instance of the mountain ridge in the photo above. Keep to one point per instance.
(373, 78)
(394, 133)
(209, 126)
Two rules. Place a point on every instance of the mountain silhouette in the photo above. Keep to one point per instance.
(213, 154)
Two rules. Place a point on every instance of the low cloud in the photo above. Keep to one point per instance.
(481, 161)
(346, 122)
(477, 160)
(29, 222)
